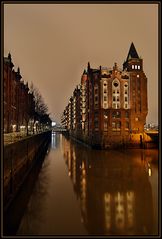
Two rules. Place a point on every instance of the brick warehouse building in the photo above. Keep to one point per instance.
(113, 105)
(18, 101)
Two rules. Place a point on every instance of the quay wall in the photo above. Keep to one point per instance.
(18, 160)
(101, 141)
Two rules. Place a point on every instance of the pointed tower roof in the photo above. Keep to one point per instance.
(84, 72)
(132, 52)
(18, 75)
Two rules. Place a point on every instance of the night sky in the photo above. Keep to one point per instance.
(52, 44)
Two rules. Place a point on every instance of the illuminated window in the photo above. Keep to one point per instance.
(118, 125)
(135, 66)
(113, 125)
(138, 67)
(132, 66)
(114, 106)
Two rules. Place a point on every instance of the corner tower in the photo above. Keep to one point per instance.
(138, 90)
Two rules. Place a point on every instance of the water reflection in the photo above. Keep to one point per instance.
(113, 188)
(55, 140)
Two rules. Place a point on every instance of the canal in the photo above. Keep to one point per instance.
(80, 191)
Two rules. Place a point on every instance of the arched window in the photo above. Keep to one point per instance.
(115, 94)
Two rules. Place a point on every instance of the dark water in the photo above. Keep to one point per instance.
(80, 191)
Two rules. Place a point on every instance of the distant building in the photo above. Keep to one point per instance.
(109, 107)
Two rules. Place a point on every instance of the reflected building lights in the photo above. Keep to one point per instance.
(74, 167)
(83, 188)
(53, 140)
(107, 209)
(108, 204)
(119, 211)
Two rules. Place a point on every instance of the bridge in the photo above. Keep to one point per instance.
(149, 131)
(58, 129)
(152, 136)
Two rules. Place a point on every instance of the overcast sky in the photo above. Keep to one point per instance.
(52, 44)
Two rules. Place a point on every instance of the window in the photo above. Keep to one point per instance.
(132, 66)
(135, 66)
(105, 105)
(127, 125)
(105, 91)
(116, 84)
(113, 98)
(118, 125)
(105, 98)
(126, 99)
(137, 76)
(96, 118)
(113, 125)
(105, 125)
(96, 124)
(138, 67)
(116, 114)
(114, 106)
(117, 98)
(126, 114)
(96, 98)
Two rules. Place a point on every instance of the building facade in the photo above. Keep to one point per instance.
(18, 101)
(112, 105)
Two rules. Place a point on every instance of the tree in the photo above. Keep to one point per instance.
(41, 108)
